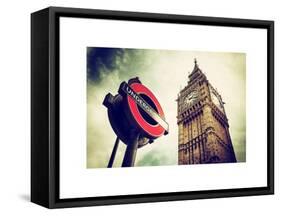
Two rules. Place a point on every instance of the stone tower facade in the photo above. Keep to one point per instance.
(203, 129)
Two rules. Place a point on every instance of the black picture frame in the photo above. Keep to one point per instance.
(45, 104)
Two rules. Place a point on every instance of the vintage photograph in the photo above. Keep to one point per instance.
(148, 107)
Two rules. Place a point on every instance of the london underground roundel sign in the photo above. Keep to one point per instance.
(136, 117)
(143, 109)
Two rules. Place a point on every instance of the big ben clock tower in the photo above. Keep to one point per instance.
(203, 129)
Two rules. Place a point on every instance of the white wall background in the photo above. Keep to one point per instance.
(15, 107)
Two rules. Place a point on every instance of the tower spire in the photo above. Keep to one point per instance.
(195, 65)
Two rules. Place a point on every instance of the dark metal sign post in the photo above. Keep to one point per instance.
(136, 117)
(131, 150)
(112, 157)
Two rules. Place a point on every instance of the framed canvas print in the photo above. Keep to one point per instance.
(139, 107)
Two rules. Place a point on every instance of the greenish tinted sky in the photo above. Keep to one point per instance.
(164, 72)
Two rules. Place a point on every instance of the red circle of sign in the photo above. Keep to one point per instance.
(153, 130)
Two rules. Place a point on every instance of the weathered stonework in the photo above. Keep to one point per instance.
(203, 130)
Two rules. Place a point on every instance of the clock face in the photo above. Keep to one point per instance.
(191, 97)
(216, 100)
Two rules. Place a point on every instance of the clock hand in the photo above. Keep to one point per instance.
(193, 96)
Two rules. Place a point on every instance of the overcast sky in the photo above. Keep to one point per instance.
(164, 72)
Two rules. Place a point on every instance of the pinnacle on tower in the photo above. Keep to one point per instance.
(195, 65)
